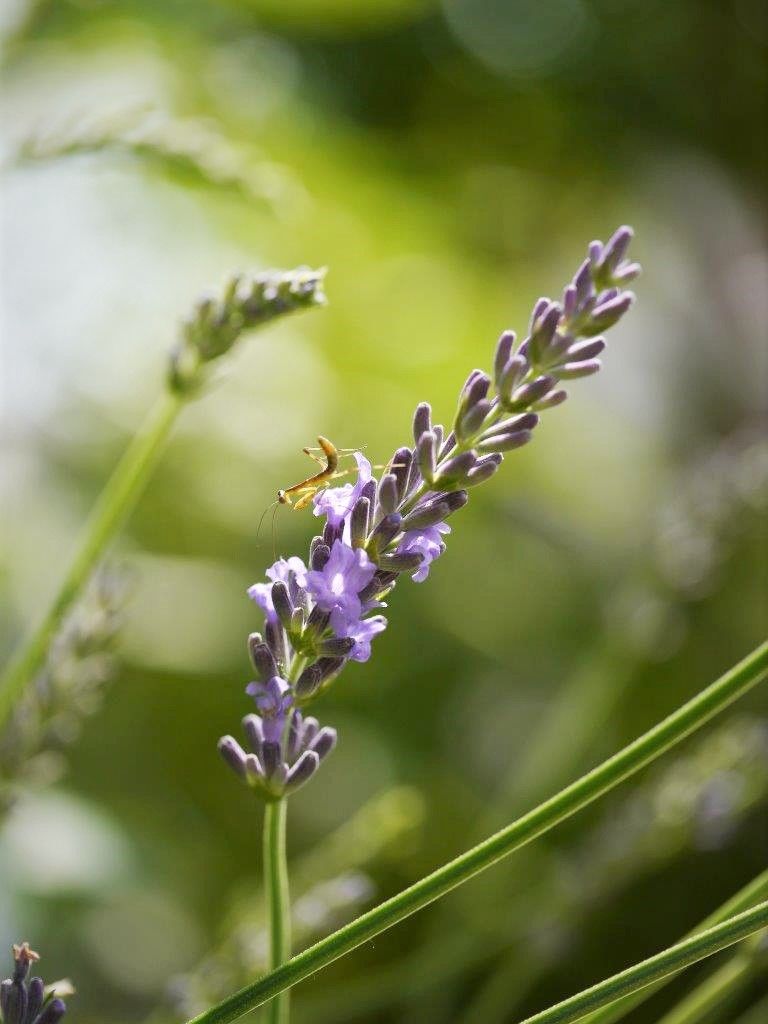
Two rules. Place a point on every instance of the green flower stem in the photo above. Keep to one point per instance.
(752, 893)
(719, 695)
(669, 961)
(278, 900)
(109, 513)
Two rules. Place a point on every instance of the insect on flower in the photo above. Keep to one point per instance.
(304, 491)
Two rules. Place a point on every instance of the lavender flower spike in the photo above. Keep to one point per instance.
(23, 1001)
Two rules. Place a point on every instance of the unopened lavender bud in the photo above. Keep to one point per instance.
(422, 420)
(335, 646)
(324, 742)
(523, 421)
(311, 729)
(474, 390)
(319, 556)
(481, 473)
(468, 424)
(551, 400)
(400, 563)
(569, 301)
(511, 375)
(427, 515)
(302, 771)
(539, 307)
(426, 455)
(570, 371)
(35, 998)
(454, 471)
(254, 772)
(381, 584)
(308, 682)
(271, 757)
(384, 532)
(543, 333)
(296, 625)
(317, 621)
(275, 637)
(615, 248)
(53, 1012)
(388, 494)
(358, 522)
(627, 273)
(282, 603)
(585, 350)
(607, 314)
(502, 355)
(504, 443)
(332, 532)
(233, 754)
(529, 393)
(262, 659)
(400, 468)
(255, 732)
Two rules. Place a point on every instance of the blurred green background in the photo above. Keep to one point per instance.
(448, 161)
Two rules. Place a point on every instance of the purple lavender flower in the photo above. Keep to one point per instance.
(336, 503)
(336, 587)
(273, 700)
(362, 631)
(22, 1000)
(426, 542)
(261, 593)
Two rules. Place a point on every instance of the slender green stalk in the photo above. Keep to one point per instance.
(109, 513)
(277, 900)
(738, 681)
(669, 961)
(752, 893)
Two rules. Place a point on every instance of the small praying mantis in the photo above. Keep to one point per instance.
(304, 491)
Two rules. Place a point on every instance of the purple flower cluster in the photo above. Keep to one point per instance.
(320, 615)
(23, 1000)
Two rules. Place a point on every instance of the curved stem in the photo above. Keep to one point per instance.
(691, 716)
(109, 513)
(278, 900)
(669, 961)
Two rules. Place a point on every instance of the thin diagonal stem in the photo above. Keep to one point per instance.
(669, 961)
(669, 732)
(752, 893)
(109, 513)
(278, 900)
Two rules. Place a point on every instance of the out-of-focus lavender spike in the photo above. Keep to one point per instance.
(358, 522)
(422, 420)
(233, 754)
(503, 354)
(262, 659)
(569, 301)
(511, 375)
(255, 732)
(553, 399)
(539, 307)
(571, 371)
(388, 494)
(324, 742)
(426, 455)
(627, 273)
(616, 247)
(505, 442)
(302, 771)
(608, 313)
(582, 282)
(595, 250)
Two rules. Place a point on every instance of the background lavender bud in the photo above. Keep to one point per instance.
(319, 556)
(511, 375)
(35, 998)
(551, 400)
(570, 371)
(324, 742)
(262, 659)
(426, 455)
(384, 532)
(502, 355)
(282, 603)
(233, 754)
(302, 771)
(588, 349)
(388, 494)
(471, 421)
(454, 471)
(504, 443)
(615, 249)
(523, 421)
(422, 420)
(53, 1012)
(358, 522)
(527, 394)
